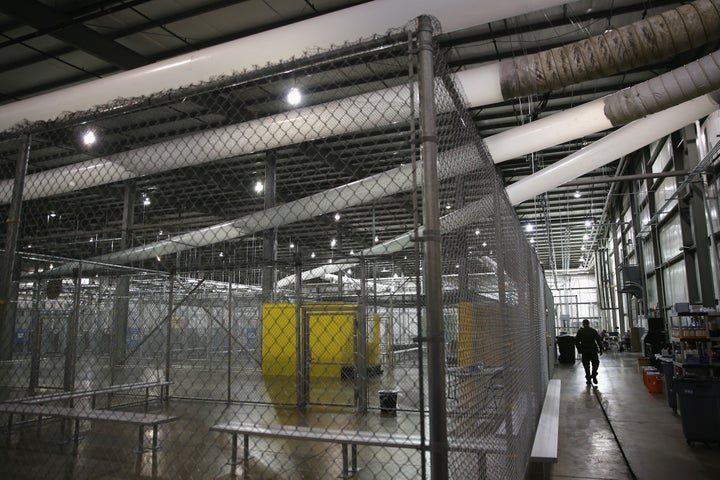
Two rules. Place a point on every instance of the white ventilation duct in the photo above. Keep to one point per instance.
(613, 146)
(385, 184)
(663, 38)
(360, 21)
(400, 179)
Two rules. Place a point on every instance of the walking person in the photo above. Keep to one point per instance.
(589, 345)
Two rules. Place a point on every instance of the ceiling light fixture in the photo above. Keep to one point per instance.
(294, 97)
(259, 187)
(89, 138)
(577, 194)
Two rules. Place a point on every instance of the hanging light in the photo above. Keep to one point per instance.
(294, 97)
(89, 138)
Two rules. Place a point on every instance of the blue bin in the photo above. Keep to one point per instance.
(670, 392)
(699, 400)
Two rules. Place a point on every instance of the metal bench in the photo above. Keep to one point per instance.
(545, 446)
(142, 420)
(109, 390)
(346, 438)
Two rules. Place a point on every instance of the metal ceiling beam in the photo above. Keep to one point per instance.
(66, 29)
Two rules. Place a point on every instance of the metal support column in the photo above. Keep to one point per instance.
(433, 264)
(229, 337)
(121, 307)
(302, 343)
(7, 299)
(269, 236)
(361, 377)
(72, 334)
(36, 339)
(168, 338)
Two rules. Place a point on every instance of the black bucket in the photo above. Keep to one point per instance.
(388, 402)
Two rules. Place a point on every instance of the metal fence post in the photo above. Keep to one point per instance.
(301, 344)
(361, 380)
(433, 263)
(168, 339)
(7, 314)
(72, 334)
(36, 340)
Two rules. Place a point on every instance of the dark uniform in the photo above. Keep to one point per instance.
(589, 345)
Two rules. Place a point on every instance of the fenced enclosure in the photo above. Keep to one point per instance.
(346, 271)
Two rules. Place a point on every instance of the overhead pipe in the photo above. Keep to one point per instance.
(299, 209)
(367, 111)
(384, 184)
(613, 146)
(481, 85)
(283, 43)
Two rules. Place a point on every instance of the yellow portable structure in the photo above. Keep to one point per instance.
(331, 338)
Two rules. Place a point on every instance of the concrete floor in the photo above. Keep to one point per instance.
(648, 432)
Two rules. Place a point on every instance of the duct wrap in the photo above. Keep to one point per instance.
(641, 43)
(664, 91)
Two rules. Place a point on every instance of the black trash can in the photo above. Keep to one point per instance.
(566, 345)
(669, 373)
(388, 402)
(699, 401)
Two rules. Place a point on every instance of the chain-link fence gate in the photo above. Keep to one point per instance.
(225, 285)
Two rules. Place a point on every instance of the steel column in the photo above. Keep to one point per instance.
(433, 263)
(7, 311)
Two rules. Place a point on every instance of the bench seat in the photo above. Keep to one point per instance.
(139, 419)
(59, 396)
(545, 445)
(346, 438)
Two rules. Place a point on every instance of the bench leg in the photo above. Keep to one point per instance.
(354, 458)
(155, 435)
(233, 457)
(9, 429)
(141, 442)
(246, 449)
(344, 461)
(77, 431)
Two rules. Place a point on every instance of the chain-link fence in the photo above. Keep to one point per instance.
(240, 283)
